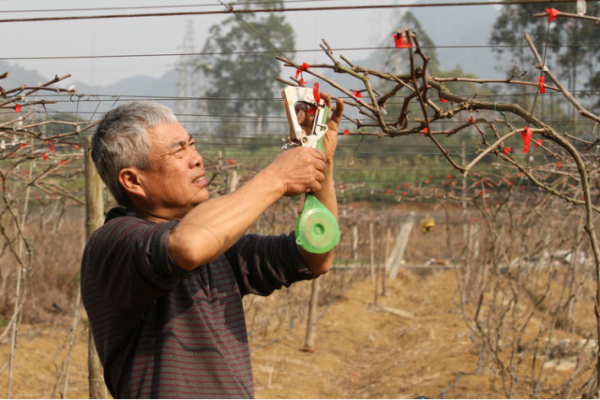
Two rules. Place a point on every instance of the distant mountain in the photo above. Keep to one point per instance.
(133, 88)
(456, 26)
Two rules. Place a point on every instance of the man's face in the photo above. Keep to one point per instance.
(175, 183)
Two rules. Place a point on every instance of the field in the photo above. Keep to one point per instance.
(416, 342)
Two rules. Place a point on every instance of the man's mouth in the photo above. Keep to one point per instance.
(201, 180)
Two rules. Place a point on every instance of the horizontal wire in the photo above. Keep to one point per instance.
(284, 118)
(265, 99)
(283, 10)
(589, 45)
(155, 7)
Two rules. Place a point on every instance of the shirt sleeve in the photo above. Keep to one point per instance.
(130, 261)
(263, 264)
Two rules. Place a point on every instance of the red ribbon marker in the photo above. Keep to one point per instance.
(507, 150)
(51, 147)
(552, 14)
(425, 132)
(406, 185)
(45, 156)
(302, 68)
(400, 41)
(346, 133)
(448, 177)
(452, 183)
(404, 193)
(311, 110)
(357, 94)
(541, 80)
(17, 108)
(398, 187)
(316, 92)
(538, 143)
(522, 187)
(526, 135)
(230, 161)
(471, 120)
(59, 162)
(302, 82)
(429, 176)
(67, 162)
(443, 100)
(22, 145)
(558, 164)
(427, 181)
(388, 191)
(76, 147)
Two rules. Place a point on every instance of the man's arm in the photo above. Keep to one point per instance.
(320, 263)
(212, 227)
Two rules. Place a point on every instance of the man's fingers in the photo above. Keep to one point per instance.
(320, 177)
(319, 154)
(338, 112)
(327, 99)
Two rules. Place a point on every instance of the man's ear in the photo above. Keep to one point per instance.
(130, 179)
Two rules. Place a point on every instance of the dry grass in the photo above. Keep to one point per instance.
(360, 353)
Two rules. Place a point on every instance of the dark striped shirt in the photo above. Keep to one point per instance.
(161, 331)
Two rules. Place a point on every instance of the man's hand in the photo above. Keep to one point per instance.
(330, 140)
(298, 170)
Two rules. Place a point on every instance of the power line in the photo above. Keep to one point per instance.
(275, 52)
(153, 7)
(275, 10)
(132, 97)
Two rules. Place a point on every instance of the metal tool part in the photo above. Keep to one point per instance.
(293, 95)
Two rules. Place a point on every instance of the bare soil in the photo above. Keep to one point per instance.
(361, 352)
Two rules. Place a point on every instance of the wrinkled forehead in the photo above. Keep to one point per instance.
(166, 137)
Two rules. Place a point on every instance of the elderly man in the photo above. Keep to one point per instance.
(163, 279)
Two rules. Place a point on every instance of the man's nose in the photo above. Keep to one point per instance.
(196, 159)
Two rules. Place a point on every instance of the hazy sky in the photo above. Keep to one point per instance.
(163, 35)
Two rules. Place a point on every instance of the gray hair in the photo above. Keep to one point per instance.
(121, 142)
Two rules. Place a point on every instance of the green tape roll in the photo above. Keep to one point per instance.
(317, 230)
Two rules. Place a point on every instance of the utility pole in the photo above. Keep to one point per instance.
(191, 81)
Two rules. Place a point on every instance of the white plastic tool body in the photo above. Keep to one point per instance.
(292, 95)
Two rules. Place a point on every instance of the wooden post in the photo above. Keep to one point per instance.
(379, 261)
(388, 238)
(393, 261)
(232, 181)
(355, 243)
(309, 344)
(372, 249)
(94, 220)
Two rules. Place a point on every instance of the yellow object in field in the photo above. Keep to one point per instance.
(427, 224)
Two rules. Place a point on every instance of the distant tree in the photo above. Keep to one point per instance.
(246, 75)
(576, 63)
